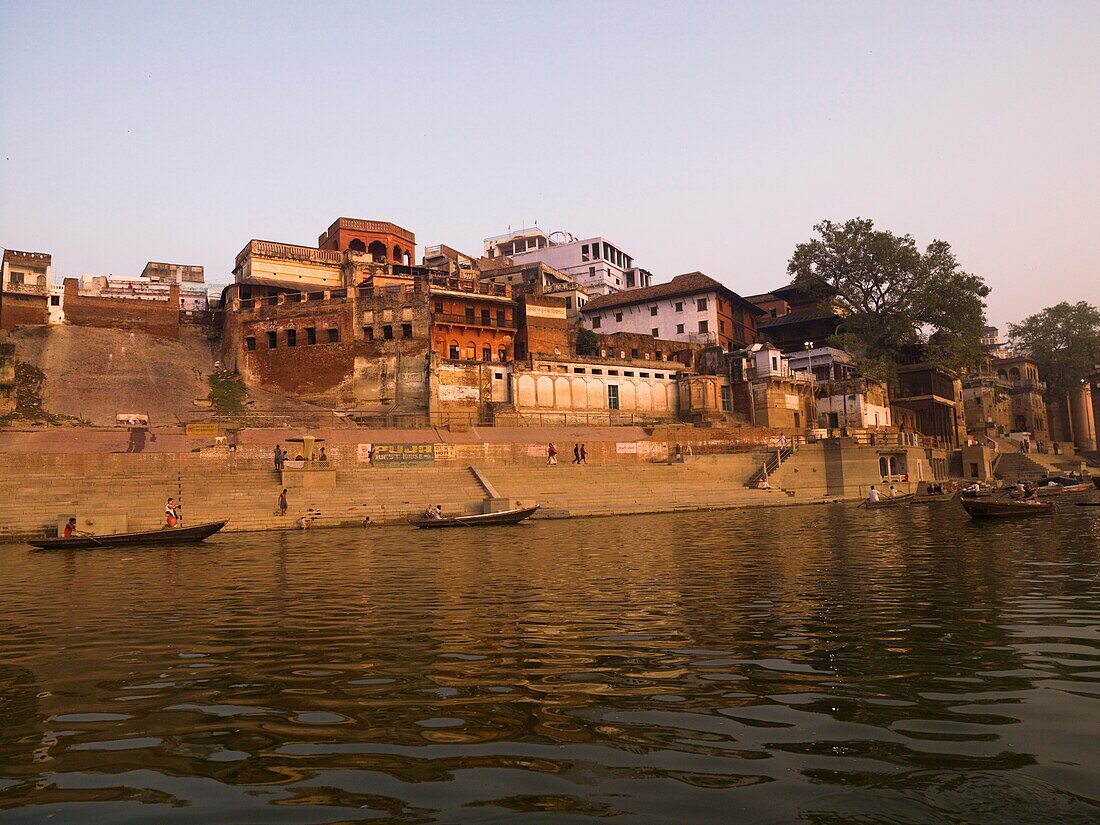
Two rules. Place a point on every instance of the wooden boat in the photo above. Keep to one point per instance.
(171, 535)
(886, 501)
(1076, 488)
(1042, 491)
(984, 492)
(479, 520)
(1001, 508)
(1088, 504)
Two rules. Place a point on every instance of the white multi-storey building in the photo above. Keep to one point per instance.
(597, 264)
(693, 308)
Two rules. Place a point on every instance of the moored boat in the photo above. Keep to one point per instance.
(1077, 488)
(164, 536)
(514, 516)
(887, 501)
(933, 499)
(1000, 508)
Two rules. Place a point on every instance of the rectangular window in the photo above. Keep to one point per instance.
(55, 300)
(584, 253)
(643, 375)
(721, 326)
(250, 343)
(633, 352)
(453, 352)
(591, 272)
(486, 353)
(502, 319)
(679, 329)
(438, 306)
(292, 337)
(628, 373)
(579, 370)
(333, 335)
(311, 335)
(618, 317)
(704, 326)
(16, 279)
(387, 332)
(726, 399)
(498, 376)
(701, 304)
(612, 397)
(612, 372)
(655, 332)
(596, 251)
(679, 306)
(502, 355)
(630, 279)
(406, 330)
(368, 333)
(596, 322)
(568, 303)
(597, 372)
(469, 315)
(485, 314)
(272, 339)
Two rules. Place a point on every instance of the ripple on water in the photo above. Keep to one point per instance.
(838, 666)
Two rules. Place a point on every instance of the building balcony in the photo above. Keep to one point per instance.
(466, 321)
(27, 289)
(289, 252)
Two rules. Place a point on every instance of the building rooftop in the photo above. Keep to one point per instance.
(689, 283)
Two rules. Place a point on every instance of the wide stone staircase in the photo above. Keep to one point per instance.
(698, 483)
(1018, 466)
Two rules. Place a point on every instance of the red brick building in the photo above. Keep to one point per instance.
(24, 288)
(383, 241)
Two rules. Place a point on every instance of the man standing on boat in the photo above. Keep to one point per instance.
(70, 528)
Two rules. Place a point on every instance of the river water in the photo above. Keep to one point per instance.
(817, 664)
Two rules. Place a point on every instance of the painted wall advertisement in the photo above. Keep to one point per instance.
(626, 447)
(404, 454)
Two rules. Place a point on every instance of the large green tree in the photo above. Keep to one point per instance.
(1063, 341)
(893, 297)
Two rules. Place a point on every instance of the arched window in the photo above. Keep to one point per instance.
(377, 250)
(397, 256)
(471, 351)
(357, 246)
(893, 466)
(1002, 375)
(502, 355)
(883, 470)
(407, 259)
(454, 354)
(1014, 374)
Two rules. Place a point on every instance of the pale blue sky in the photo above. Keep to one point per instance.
(695, 135)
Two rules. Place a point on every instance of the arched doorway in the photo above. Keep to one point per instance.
(397, 254)
(377, 250)
(357, 246)
(883, 468)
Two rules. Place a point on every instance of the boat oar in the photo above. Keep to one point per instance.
(89, 536)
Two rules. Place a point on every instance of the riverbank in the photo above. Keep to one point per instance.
(115, 491)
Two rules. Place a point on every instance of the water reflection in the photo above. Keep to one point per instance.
(822, 663)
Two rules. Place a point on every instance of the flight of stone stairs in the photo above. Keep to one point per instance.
(1018, 467)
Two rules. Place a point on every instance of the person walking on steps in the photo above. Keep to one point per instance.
(551, 453)
(576, 453)
(282, 502)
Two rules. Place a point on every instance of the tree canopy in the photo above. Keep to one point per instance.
(894, 299)
(1063, 341)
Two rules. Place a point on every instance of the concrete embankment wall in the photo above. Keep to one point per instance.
(35, 490)
(99, 488)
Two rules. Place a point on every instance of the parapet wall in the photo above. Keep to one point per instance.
(154, 316)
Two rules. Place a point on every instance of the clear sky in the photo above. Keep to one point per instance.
(695, 135)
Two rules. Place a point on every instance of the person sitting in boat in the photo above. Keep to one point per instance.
(171, 513)
(70, 528)
(873, 495)
(1032, 496)
(893, 492)
(434, 511)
